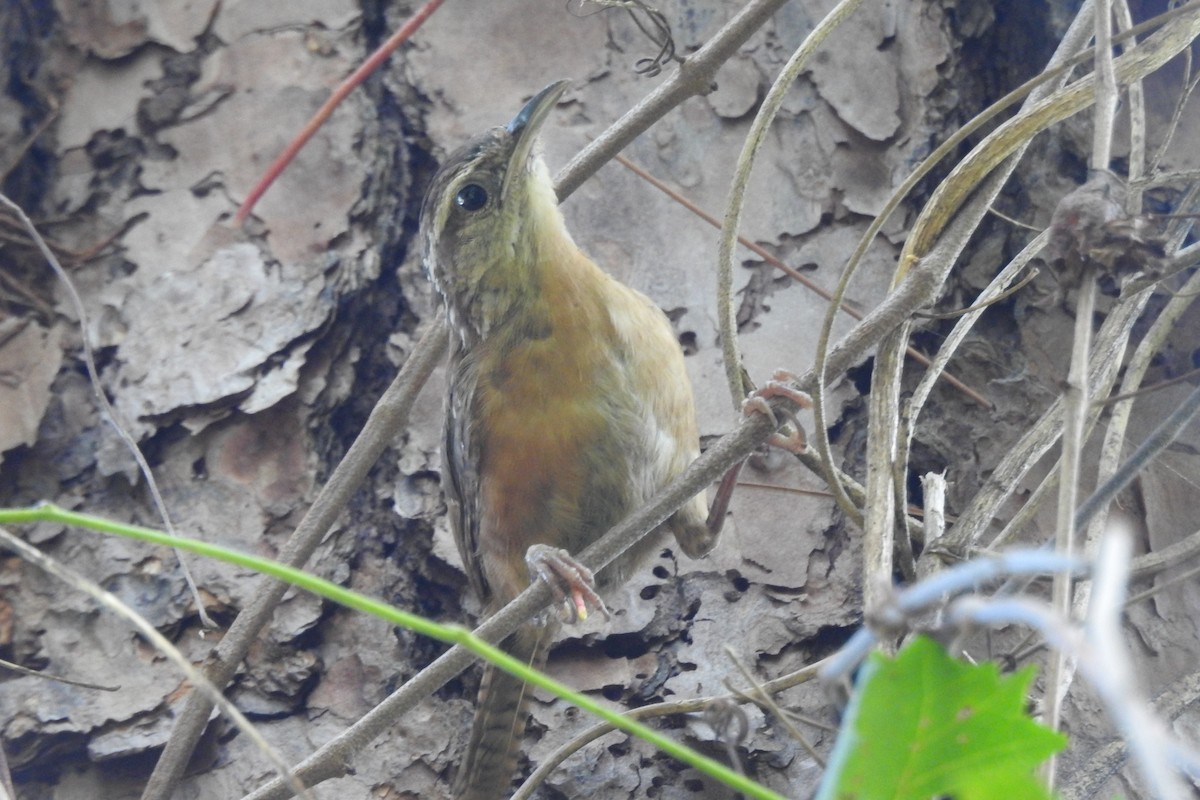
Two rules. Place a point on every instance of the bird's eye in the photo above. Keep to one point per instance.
(471, 197)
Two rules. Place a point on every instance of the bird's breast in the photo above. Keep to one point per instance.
(554, 429)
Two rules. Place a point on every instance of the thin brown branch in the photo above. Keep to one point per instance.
(551, 762)
(389, 416)
(107, 411)
(33, 673)
(695, 76)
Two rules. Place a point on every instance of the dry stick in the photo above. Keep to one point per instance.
(933, 487)
(1012, 290)
(733, 216)
(1150, 564)
(1075, 410)
(1110, 455)
(1105, 115)
(883, 430)
(552, 761)
(1137, 112)
(389, 416)
(1059, 671)
(1189, 86)
(1154, 388)
(111, 602)
(110, 414)
(332, 759)
(46, 676)
(1166, 583)
(1169, 40)
(726, 314)
(888, 442)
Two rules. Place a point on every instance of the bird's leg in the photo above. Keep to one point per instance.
(780, 385)
(573, 584)
(794, 441)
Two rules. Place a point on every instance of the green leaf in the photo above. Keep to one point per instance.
(924, 725)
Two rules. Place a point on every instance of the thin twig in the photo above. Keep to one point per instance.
(552, 761)
(110, 414)
(389, 416)
(1075, 411)
(33, 673)
(1105, 114)
(727, 318)
(732, 223)
(1163, 435)
(1154, 388)
(160, 642)
(760, 696)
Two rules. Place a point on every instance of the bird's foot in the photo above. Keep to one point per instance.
(573, 584)
(791, 438)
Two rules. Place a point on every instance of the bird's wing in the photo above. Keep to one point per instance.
(461, 455)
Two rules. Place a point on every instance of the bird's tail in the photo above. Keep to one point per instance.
(487, 769)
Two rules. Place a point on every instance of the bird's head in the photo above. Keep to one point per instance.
(486, 209)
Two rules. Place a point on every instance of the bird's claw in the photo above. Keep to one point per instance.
(573, 584)
(792, 437)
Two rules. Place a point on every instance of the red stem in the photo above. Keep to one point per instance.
(339, 94)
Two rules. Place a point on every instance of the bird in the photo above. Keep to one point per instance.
(568, 405)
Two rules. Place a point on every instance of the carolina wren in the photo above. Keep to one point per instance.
(568, 403)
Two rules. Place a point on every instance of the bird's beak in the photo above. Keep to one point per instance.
(525, 126)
